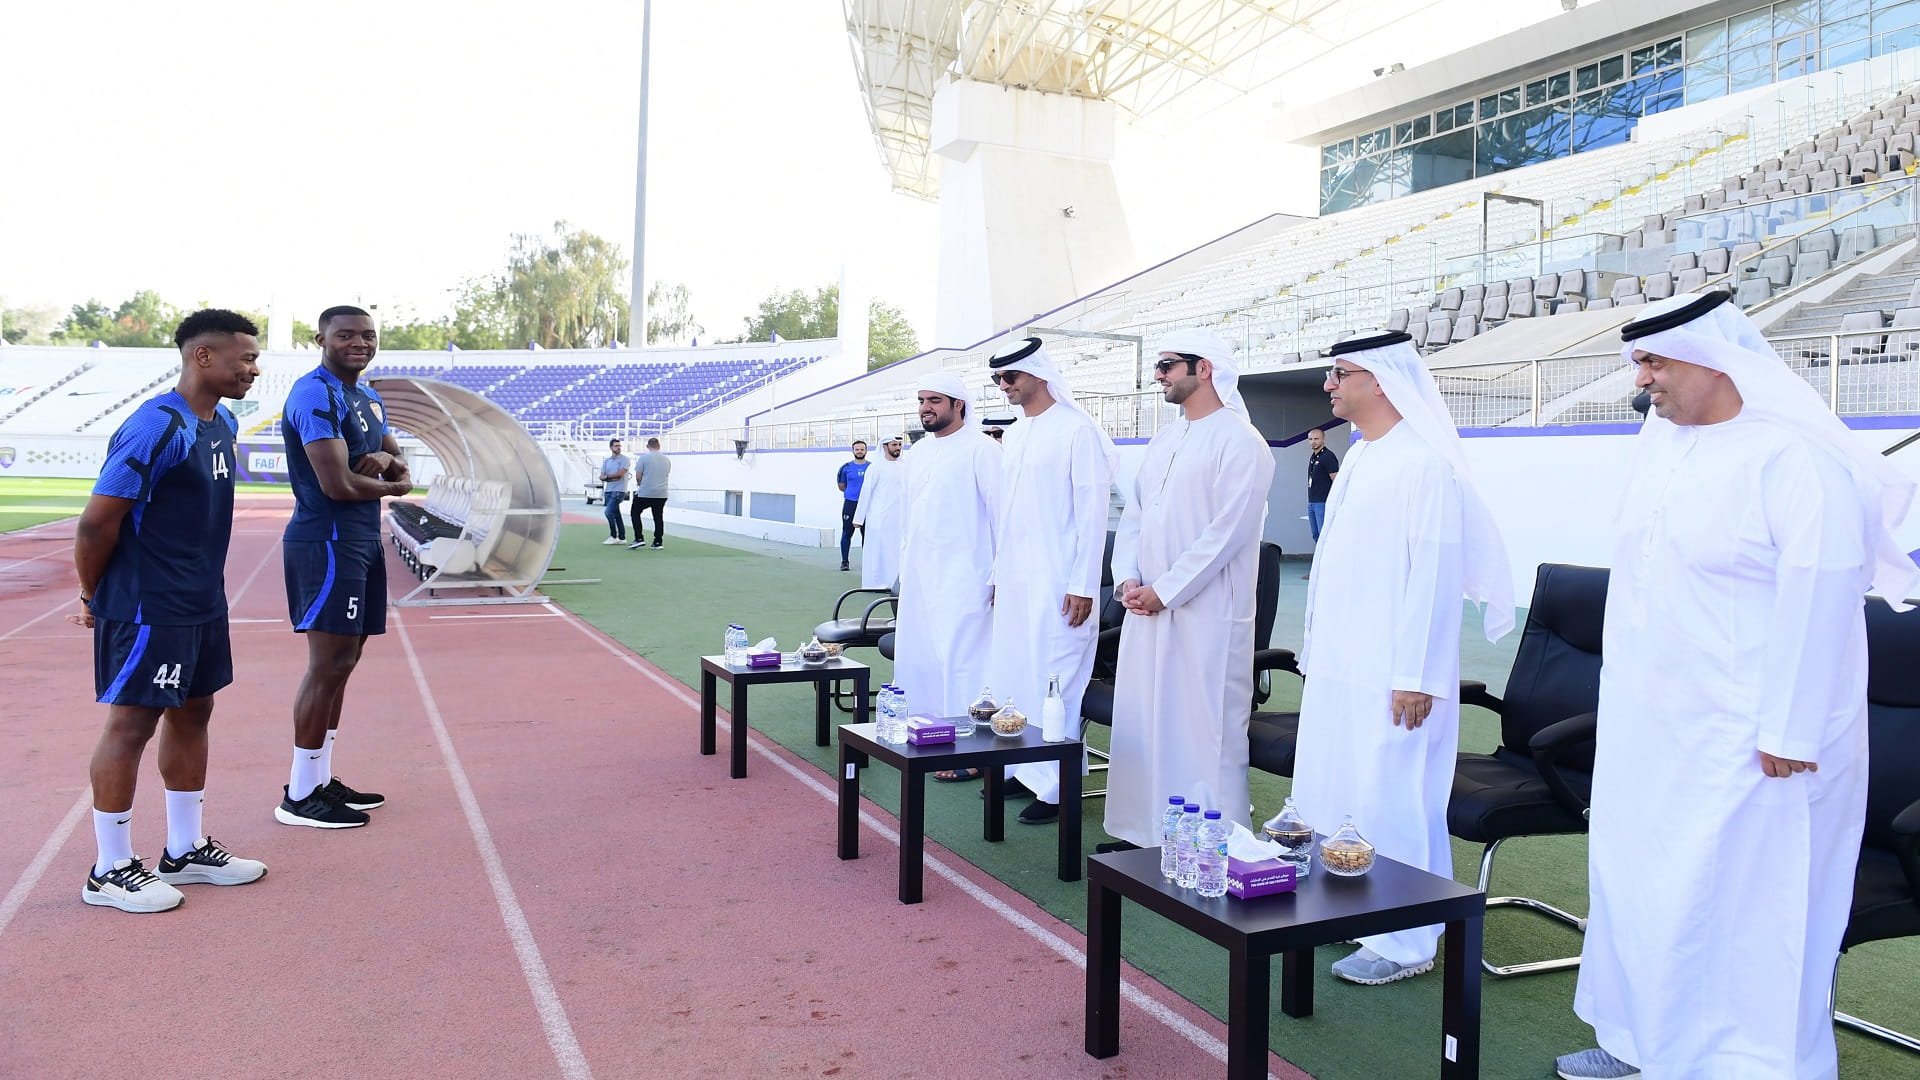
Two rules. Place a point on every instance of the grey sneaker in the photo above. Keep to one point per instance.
(1593, 1064)
(1369, 968)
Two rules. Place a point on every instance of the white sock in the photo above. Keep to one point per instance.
(112, 838)
(309, 772)
(183, 820)
(326, 756)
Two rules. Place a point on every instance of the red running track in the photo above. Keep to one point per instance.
(532, 902)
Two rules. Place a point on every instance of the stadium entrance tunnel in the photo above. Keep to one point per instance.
(491, 520)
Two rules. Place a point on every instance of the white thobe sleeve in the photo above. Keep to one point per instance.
(1817, 595)
(1126, 537)
(1092, 482)
(1240, 492)
(1426, 632)
(867, 484)
(985, 464)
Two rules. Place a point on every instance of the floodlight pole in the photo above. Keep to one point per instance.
(637, 301)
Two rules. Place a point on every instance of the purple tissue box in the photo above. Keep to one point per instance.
(923, 731)
(1247, 880)
(763, 659)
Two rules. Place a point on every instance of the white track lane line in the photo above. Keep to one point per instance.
(1193, 1033)
(546, 999)
(37, 869)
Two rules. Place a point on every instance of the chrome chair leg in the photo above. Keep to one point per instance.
(1525, 903)
(1864, 1027)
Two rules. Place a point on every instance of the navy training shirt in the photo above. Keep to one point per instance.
(853, 474)
(320, 406)
(169, 566)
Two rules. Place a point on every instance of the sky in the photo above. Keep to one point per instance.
(305, 154)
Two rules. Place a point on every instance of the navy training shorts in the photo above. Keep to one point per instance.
(336, 586)
(159, 667)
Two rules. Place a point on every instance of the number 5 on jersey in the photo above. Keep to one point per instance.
(353, 607)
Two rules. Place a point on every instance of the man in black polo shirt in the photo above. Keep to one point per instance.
(1322, 467)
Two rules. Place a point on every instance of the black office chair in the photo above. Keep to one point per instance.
(1539, 782)
(1096, 705)
(864, 632)
(1886, 886)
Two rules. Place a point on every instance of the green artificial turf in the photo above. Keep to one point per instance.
(672, 605)
(31, 500)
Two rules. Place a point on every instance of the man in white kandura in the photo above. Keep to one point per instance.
(946, 568)
(1730, 775)
(1049, 536)
(1406, 536)
(883, 499)
(1186, 559)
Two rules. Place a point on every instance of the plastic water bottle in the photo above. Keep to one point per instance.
(883, 713)
(736, 648)
(1186, 867)
(1210, 852)
(899, 734)
(1169, 827)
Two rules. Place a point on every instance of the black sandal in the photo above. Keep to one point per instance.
(956, 776)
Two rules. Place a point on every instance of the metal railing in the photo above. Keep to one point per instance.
(1877, 373)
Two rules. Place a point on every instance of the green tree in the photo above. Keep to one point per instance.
(144, 320)
(480, 317)
(667, 316)
(28, 326)
(562, 293)
(799, 315)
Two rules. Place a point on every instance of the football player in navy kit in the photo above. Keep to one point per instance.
(151, 552)
(341, 461)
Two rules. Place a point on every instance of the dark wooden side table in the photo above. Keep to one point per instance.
(823, 676)
(982, 750)
(1325, 909)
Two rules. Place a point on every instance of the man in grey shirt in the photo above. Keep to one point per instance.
(650, 475)
(616, 476)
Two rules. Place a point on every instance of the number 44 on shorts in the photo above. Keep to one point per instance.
(167, 677)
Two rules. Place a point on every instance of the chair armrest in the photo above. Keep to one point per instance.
(1547, 745)
(853, 592)
(1906, 843)
(1275, 660)
(867, 615)
(1106, 653)
(1474, 692)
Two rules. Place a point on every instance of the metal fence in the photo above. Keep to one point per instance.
(1870, 373)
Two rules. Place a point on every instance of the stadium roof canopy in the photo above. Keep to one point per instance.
(1145, 56)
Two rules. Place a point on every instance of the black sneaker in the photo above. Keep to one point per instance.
(358, 800)
(844, 566)
(658, 545)
(318, 811)
(1040, 813)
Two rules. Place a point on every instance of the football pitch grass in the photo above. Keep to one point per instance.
(26, 501)
(672, 605)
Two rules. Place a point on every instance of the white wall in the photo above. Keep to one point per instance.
(1011, 163)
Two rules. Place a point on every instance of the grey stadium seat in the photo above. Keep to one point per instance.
(1690, 280)
(1752, 291)
(1853, 323)
(1397, 319)
(1716, 260)
(1777, 269)
(1659, 286)
(1822, 240)
(1546, 286)
(1810, 265)
(1856, 242)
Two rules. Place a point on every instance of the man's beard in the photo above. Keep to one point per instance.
(936, 425)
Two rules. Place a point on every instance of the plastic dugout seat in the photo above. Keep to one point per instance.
(1439, 330)
(1464, 327)
(1496, 309)
(1470, 308)
(1547, 286)
(1498, 288)
(1539, 782)
(1449, 300)
(1886, 882)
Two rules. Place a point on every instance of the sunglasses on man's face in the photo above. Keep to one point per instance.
(1005, 378)
(1164, 366)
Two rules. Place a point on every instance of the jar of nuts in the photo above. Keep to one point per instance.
(1009, 720)
(1346, 853)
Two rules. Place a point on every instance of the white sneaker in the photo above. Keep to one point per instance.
(611, 540)
(209, 864)
(1369, 968)
(130, 886)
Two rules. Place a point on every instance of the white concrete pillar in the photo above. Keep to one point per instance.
(1030, 216)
